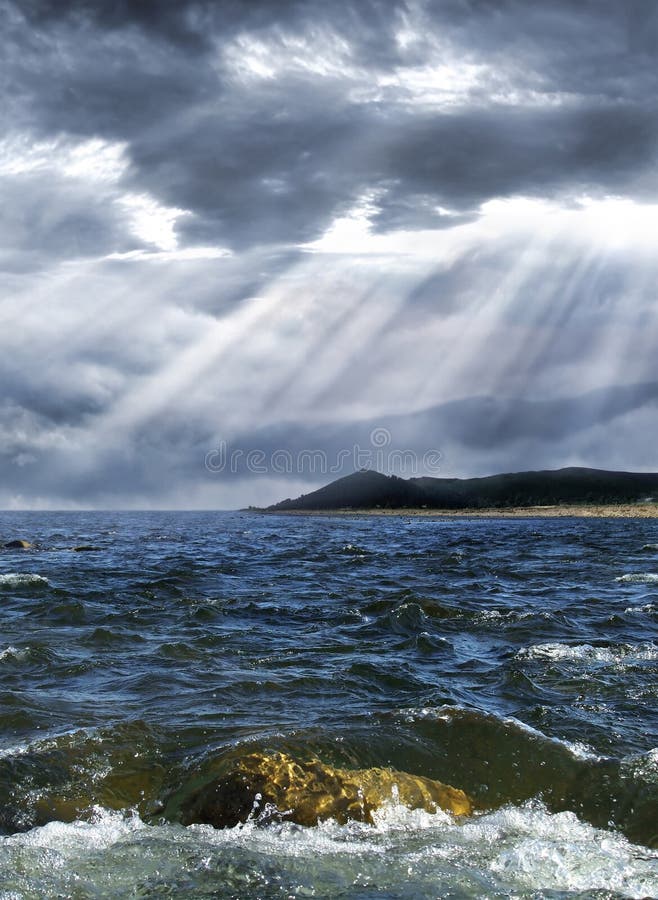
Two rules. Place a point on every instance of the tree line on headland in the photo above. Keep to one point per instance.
(368, 489)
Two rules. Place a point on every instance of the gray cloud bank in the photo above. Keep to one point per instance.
(167, 170)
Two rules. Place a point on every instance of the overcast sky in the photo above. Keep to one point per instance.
(291, 226)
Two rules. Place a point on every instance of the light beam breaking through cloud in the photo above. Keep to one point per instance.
(281, 225)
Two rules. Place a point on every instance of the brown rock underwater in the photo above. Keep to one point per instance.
(275, 786)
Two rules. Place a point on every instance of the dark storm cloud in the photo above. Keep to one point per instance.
(470, 433)
(31, 409)
(287, 175)
(280, 177)
(464, 159)
(196, 24)
(264, 122)
(73, 78)
(597, 47)
(277, 159)
(480, 435)
(158, 459)
(181, 23)
(254, 165)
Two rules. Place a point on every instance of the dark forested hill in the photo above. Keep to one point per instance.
(368, 490)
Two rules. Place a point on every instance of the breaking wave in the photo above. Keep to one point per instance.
(584, 653)
(638, 578)
(19, 579)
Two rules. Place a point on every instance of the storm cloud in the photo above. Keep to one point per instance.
(287, 224)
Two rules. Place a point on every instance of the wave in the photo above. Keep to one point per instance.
(19, 579)
(500, 761)
(638, 578)
(645, 609)
(619, 653)
(34, 653)
(523, 850)
(354, 550)
(403, 758)
(13, 653)
(56, 778)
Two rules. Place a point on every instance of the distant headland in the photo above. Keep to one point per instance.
(562, 492)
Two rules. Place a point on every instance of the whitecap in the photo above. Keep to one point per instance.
(518, 850)
(558, 852)
(354, 550)
(12, 652)
(640, 610)
(643, 765)
(19, 579)
(584, 653)
(638, 578)
(103, 830)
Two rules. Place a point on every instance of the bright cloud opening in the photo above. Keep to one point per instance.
(94, 159)
(152, 222)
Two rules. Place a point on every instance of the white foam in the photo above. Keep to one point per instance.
(354, 550)
(69, 839)
(516, 850)
(638, 610)
(560, 853)
(17, 579)
(638, 578)
(12, 652)
(393, 816)
(643, 765)
(586, 653)
(492, 615)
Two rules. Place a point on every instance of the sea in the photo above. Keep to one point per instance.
(514, 659)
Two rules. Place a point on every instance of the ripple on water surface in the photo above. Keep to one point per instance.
(517, 662)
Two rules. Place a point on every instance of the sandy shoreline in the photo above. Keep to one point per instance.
(621, 511)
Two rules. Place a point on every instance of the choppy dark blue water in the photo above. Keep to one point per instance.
(514, 659)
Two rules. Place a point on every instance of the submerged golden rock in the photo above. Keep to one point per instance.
(271, 786)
